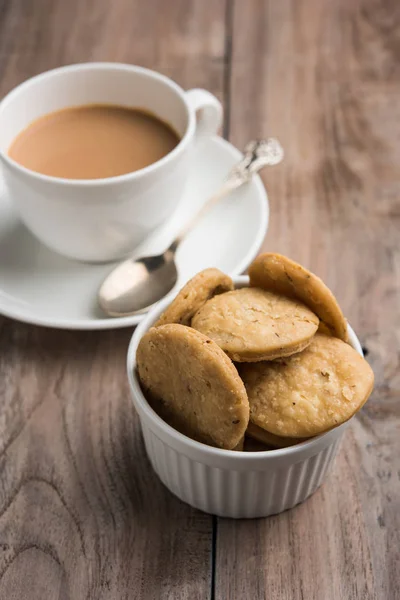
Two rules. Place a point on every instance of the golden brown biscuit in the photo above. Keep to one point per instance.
(194, 294)
(269, 439)
(284, 276)
(251, 324)
(239, 446)
(193, 385)
(308, 393)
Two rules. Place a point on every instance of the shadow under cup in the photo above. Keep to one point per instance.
(102, 219)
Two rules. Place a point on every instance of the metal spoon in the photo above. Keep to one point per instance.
(136, 284)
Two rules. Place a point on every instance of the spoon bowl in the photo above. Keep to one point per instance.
(139, 284)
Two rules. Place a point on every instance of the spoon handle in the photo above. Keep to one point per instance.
(257, 155)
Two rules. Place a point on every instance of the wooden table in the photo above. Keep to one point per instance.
(82, 516)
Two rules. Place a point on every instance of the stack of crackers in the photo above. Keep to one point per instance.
(269, 362)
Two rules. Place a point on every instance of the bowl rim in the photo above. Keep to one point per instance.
(144, 409)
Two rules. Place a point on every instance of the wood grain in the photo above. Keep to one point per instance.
(81, 513)
(82, 516)
(324, 78)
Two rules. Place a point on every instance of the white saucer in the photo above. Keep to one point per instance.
(41, 287)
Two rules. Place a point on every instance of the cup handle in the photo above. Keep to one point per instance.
(208, 112)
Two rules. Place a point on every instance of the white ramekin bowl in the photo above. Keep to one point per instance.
(222, 482)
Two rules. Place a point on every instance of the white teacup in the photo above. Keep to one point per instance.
(103, 219)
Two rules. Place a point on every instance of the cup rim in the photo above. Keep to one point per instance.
(111, 66)
(144, 408)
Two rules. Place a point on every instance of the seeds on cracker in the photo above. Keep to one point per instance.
(286, 332)
(252, 324)
(310, 392)
(279, 274)
(193, 385)
(194, 294)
